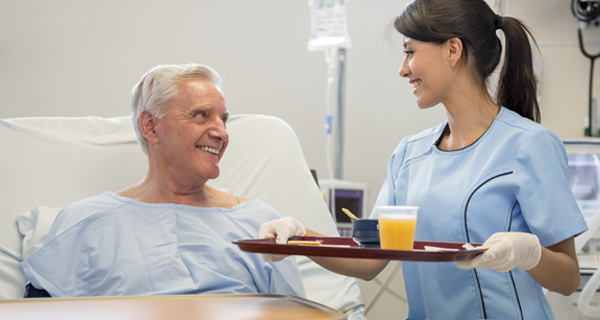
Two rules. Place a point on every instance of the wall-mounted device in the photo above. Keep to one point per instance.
(345, 194)
(588, 14)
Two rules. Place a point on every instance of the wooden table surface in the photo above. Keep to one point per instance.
(180, 307)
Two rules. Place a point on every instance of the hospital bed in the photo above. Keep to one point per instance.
(48, 163)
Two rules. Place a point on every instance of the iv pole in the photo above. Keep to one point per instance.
(329, 32)
(339, 132)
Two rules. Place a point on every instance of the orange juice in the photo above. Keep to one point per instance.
(397, 233)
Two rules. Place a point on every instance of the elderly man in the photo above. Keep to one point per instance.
(169, 233)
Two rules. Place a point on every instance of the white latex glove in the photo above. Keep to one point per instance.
(506, 251)
(281, 229)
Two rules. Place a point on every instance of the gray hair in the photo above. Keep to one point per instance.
(159, 87)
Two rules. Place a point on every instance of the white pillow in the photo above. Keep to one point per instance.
(34, 226)
(12, 278)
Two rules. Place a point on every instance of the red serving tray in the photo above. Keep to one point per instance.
(328, 248)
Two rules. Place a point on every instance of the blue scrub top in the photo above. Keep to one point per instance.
(513, 178)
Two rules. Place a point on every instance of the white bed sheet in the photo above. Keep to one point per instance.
(48, 163)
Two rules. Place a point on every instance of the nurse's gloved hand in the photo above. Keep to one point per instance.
(506, 251)
(281, 230)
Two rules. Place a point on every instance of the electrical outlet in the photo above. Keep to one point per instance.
(593, 245)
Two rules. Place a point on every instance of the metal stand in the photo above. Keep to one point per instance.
(339, 129)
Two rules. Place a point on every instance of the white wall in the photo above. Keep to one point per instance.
(75, 58)
(78, 57)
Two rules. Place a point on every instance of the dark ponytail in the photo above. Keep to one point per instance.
(516, 86)
(475, 24)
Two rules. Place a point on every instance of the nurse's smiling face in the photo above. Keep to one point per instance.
(426, 67)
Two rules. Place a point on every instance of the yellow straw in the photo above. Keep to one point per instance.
(349, 214)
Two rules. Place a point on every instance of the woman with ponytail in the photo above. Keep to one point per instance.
(490, 174)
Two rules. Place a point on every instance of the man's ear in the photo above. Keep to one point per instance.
(455, 50)
(148, 126)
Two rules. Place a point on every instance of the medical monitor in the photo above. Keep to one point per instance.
(344, 194)
(584, 173)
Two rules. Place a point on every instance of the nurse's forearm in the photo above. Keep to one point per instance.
(558, 269)
(365, 269)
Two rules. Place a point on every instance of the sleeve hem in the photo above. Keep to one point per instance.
(51, 289)
(571, 230)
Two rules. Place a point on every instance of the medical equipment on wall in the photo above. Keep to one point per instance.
(584, 174)
(588, 14)
(329, 32)
(345, 194)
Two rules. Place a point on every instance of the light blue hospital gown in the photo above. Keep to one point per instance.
(513, 178)
(109, 245)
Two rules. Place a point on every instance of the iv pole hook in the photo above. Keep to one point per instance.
(590, 103)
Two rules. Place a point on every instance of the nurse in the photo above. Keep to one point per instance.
(488, 174)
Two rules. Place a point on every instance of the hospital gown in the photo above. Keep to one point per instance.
(513, 178)
(109, 245)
